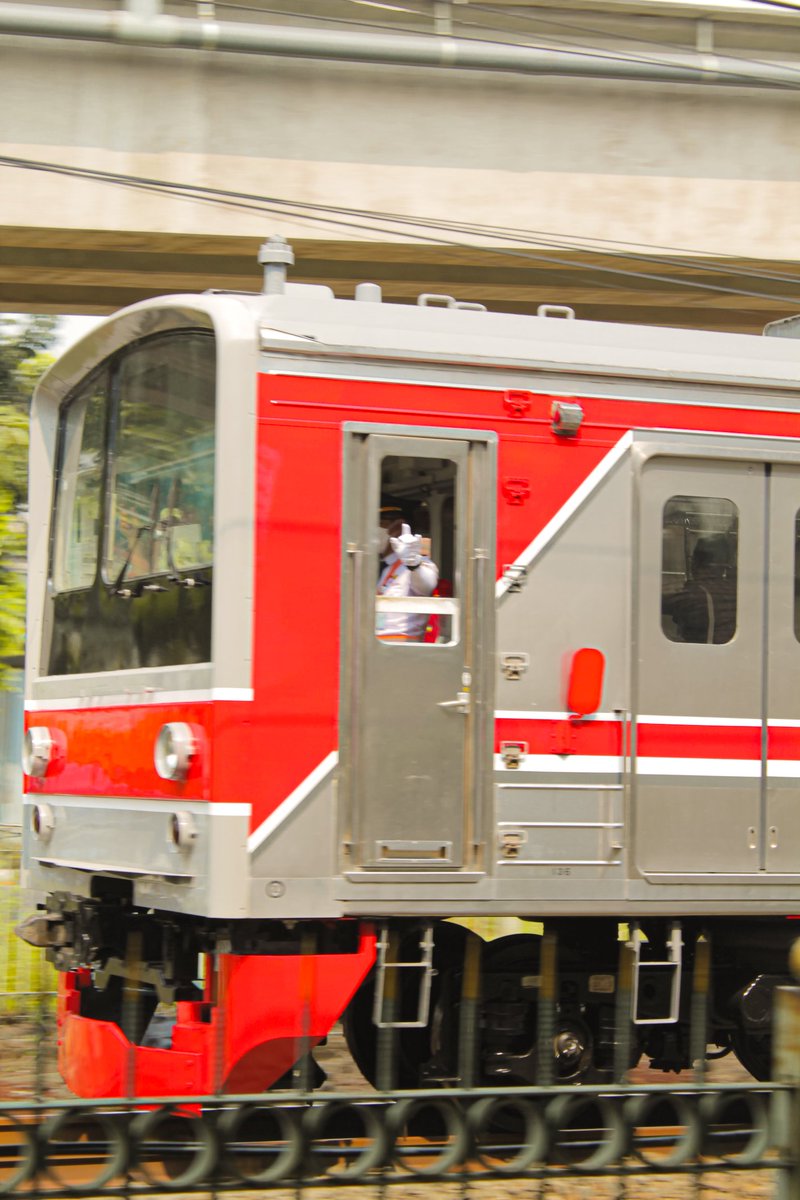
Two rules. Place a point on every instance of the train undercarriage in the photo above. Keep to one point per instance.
(235, 1007)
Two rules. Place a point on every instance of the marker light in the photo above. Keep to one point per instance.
(176, 747)
(38, 751)
(42, 821)
(182, 830)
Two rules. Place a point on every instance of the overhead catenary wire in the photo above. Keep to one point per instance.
(373, 223)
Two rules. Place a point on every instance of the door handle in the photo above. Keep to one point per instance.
(459, 705)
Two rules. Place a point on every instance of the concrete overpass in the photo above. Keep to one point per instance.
(645, 152)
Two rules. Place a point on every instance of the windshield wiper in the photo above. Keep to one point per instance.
(186, 581)
(116, 588)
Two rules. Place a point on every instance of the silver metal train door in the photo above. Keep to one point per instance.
(781, 821)
(416, 717)
(700, 609)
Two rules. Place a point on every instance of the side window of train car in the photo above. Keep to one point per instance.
(699, 560)
(79, 488)
(417, 592)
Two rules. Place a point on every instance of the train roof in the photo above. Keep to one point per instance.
(309, 321)
(547, 342)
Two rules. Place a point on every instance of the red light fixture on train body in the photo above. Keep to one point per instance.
(585, 682)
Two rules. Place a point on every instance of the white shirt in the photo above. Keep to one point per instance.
(397, 580)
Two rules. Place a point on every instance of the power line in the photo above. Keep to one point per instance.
(372, 222)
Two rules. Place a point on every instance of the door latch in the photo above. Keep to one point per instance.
(459, 705)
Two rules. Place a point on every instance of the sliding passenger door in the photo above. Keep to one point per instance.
(699, 636)
(781, 825)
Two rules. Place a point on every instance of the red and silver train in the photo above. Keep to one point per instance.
(240, 794)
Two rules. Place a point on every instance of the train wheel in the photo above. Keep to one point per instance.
(510, 1052)
(420, 1053)
(754, 1052)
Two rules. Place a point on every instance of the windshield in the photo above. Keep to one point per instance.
(134, 529)
(162, 485)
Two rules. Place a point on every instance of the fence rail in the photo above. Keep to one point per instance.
(182, 1144)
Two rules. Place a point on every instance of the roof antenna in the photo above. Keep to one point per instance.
(275, 255)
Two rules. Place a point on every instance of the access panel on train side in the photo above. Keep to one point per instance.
(417, 646)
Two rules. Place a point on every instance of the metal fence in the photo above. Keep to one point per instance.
(469, 1137)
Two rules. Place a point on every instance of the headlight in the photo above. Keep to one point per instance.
(176, 747)
(38, 750)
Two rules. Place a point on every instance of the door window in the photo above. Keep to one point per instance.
(417, 590)
(699, 560)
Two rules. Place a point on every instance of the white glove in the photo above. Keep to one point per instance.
(408, 547)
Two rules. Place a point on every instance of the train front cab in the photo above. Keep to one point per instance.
(139, 696)
(143, 700)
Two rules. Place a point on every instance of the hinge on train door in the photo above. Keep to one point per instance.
(387, 1009)
(659, 1002)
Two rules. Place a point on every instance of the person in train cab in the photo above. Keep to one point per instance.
(403, 570)
(704, 610)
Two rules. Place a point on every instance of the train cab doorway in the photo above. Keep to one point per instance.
(417, 648)
(716, 722)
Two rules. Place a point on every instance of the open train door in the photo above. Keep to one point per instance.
(416, 705)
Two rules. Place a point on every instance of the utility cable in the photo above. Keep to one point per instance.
(371, 222)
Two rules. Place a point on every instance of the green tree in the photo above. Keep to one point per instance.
(23, 358)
